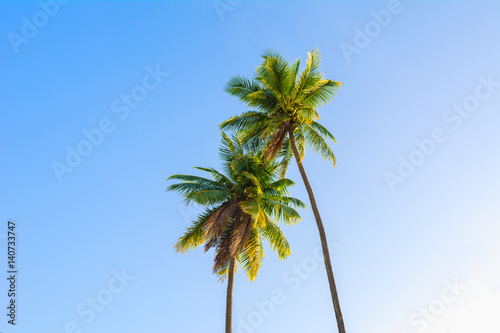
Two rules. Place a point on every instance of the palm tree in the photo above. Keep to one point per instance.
(283, 120)
(243, 207)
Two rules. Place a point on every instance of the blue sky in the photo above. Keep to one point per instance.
(104, 228)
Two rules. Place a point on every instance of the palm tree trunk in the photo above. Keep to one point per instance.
(322, 235)
(229, 299)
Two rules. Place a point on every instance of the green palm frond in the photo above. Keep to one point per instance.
(252, 255)
(294, 71)
(322, 130)
(255, 187)
(275, 237)
(280, 211)
(289, 201)
(318, 144)
(194, 180)
(274, 74)
(322, 92)
(264, 100)
(245, 120)
(309, 76)
(281, 185)
(217, 176)
(254, 209)
(241, 87)
(202, 194)
(208, 196)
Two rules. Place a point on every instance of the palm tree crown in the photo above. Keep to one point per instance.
(243, 206)
(283, 102)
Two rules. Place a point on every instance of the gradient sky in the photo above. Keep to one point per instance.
(395, 251)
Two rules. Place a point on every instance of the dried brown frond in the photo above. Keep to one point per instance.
(240, 234)
(216, 222)
(276, 142)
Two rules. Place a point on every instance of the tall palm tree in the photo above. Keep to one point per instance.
(283, 120)
(243, 206)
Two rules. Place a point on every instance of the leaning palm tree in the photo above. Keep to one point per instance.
(243, 206)
(283, 120)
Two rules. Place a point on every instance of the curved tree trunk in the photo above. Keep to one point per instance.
(322, 235)
(229, 297)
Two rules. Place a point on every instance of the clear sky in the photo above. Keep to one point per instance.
(411, 210)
